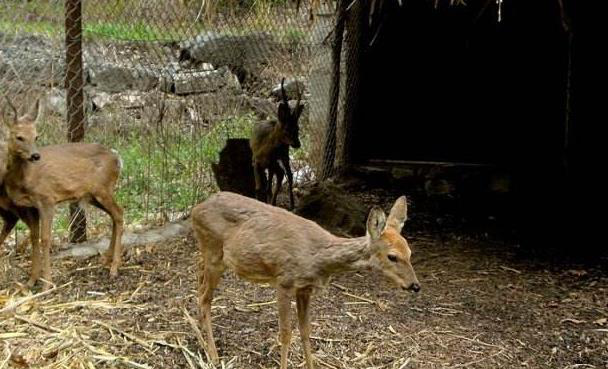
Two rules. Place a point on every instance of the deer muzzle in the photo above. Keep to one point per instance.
(413, 287)
(35, 157)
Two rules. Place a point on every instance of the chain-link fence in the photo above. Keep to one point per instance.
(165, 83)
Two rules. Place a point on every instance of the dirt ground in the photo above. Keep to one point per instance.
(483, 304)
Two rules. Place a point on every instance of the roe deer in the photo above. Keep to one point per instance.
(11, 213)
(266, 244)
(41, 179)
(270, 141)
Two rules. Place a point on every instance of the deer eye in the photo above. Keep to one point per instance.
(37, 138)
(20, 138)
(392, 258)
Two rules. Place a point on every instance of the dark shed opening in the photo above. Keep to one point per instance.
(453, 84)
(456, 85)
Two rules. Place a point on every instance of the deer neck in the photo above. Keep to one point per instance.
(277, 135)
(15, 169)
(345, 254)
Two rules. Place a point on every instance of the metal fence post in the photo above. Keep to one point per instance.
(74, 83)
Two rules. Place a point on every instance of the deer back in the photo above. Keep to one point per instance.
(65, 172)
(260, 242)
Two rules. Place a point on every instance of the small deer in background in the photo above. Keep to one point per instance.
(266, 244)
(41, 179)
(270, 142)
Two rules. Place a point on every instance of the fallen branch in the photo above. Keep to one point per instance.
(160, 235)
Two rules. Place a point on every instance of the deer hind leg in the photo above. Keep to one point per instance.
(210, 273)
(10, 220)
(280, 174)
(289, 174)
(303, 306)
(113, 256)
(284, 303)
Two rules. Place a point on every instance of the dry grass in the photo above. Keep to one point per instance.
(481, 306)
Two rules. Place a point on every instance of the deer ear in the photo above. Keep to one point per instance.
(398, 214)
(375, 222)
(14, 115)
(283, 113)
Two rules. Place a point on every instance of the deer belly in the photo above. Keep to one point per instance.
(251, 267)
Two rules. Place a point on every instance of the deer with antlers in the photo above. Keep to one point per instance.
(270, 142)
(41, 179)
(266, 244)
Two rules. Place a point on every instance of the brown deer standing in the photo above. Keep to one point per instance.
(270, 141)
(266, 244)
(11, 213)
(41, 179)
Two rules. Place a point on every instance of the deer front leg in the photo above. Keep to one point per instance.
(280, 174)
(303, 305)
(289, 174)
(32, 220)
(46, 224)
(284, 303)
(211, 275)
(260, 182)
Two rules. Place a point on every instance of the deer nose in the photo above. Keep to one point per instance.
(35, 157)
(296, 144)
(415, 287)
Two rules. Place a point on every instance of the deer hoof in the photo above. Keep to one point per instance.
(113, 272)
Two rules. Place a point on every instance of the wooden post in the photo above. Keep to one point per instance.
(355, 24)
(74, 84)
(329, 149)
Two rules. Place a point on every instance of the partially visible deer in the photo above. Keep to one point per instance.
(267, 244)
(11, 213)
(41, 179)
(270, 142)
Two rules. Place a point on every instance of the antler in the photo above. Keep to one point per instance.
(299, 93)
(10, 104)
(283, 94)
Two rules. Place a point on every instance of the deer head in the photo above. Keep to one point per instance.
(391, 252)
(288, 119)
(23, 134)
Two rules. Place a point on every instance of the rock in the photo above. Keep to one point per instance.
(333, 209)
(101, 100)
(55, 101)
(263, 108)
(184, 83)
(293, 89)
(234, 171)
(31, 60)
(112, 78)
(245, 54)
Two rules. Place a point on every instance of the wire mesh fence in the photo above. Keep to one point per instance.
(165, 83)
